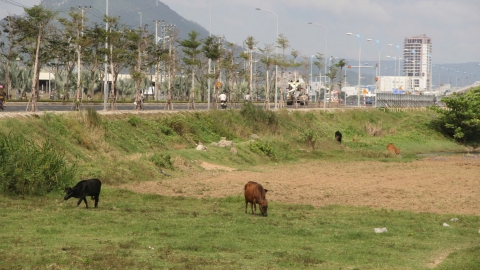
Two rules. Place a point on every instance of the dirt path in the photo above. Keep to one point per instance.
(449, 184)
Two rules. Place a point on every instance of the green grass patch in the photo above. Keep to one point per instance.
(131, 231)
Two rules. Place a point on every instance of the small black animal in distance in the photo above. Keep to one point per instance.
(338, 136)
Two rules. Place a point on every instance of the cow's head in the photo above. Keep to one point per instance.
(263, 208)
(264, 205)
(69, 192)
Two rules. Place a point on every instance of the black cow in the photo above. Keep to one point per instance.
(338, 136)
(84, 188)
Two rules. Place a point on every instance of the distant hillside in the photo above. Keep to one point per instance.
(128, 11)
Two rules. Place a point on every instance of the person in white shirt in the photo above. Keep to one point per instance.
(223, 97)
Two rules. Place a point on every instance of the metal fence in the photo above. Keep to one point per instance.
(390, 100)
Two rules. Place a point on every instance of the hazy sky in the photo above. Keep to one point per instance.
(453, 25)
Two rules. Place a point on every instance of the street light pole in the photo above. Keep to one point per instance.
(276, 55)
(311, 76)
(105, 87)
(209, 60)
(324, 59)
(345, 85)
(359, 65)
(394, 75)
(156, 63)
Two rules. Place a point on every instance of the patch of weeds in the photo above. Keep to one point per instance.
(93, 118)
(309, 137)
(134, 121)
(130, 244)
(263, 148)
(162, 161)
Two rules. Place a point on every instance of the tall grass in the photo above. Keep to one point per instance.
(28, 169)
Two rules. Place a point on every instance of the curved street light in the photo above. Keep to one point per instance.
(359, 65)
(378, 42)
(324, 59)
(276, 55)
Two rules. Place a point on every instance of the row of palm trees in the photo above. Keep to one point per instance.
(76, 54)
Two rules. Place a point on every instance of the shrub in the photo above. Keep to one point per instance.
(310, 137)
(28, 169)
(255, 115)
(134, 120)
(462, 118)
(264, 148)
(93, 117)
(162, 161)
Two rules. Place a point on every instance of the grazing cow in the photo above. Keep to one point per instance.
(338, 136)
(392, 149)
(255, 194)
(84, 188)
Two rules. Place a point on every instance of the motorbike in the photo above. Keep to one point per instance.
(223, 104)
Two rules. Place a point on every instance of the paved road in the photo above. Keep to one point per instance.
(64, 107)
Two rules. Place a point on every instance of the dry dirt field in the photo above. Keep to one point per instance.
(444, 184)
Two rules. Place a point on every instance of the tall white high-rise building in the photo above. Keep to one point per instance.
(417, 61)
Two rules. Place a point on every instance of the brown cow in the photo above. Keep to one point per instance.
(392, 149)
(255, 194)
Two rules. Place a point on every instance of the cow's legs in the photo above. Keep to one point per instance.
(79, 201)
(246, 206)
(96, 201)
(254, 209)
(85, 200)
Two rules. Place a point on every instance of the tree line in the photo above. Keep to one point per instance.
(80, 55)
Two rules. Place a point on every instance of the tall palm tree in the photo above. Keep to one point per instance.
(283, 43)
(341, 64)
(268, 62)
(190, 48)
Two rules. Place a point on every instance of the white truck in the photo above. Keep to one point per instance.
(297, 92)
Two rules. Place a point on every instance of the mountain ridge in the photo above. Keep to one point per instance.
(131, 13)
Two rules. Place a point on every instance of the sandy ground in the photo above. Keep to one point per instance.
(444, 184)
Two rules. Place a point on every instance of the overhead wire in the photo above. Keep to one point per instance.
(12, 2)
(94, 14)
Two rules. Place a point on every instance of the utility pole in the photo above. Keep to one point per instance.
(156, 63)
(166, 29)
(219, 38)
(79, 57)
(105, 76)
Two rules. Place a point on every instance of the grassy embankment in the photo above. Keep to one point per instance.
(133, 231)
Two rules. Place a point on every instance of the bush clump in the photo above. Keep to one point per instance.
(263, 148)
(461, 120)
(162, 161)
(28, 169)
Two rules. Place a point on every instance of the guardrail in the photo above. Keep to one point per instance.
(390, 100)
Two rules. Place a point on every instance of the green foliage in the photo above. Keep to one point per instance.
(263, 148)
(94, 119)
(258, 117)
(134, 120)
(28, 169)
(177, 124)
(310, 137)
(461, 120)
(162, 161)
